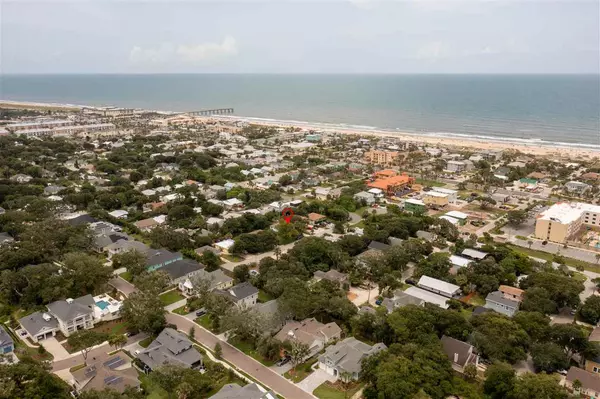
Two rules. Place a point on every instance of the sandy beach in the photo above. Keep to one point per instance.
(569, 151)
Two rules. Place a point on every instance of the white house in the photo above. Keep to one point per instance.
(439, 287)
(225, 245)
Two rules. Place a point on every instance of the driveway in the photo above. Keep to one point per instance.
(361, 295)
(316, 378)
(55, 348)
(245, 363)
(283, 369)
(176, 305)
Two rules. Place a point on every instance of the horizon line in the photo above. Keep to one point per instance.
(296, 73)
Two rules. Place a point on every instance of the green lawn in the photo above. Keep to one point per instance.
(302, 371)
(263, 296)
(181, 310)
(548, 256)
(78, 367)
(126, 276)
(205, 322)
(328, 390)
(431, 183)
(232, 258)
(171, 297)
(152, 390)
(246, 347)
(477, 300)
(111, 327)
(145, 342)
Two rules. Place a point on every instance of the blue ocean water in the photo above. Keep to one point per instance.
(552, 108)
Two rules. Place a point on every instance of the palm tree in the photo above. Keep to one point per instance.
(597, 258)
(346, 382)
(530, 243)
(117, 341)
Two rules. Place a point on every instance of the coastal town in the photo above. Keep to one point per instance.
(148, 254)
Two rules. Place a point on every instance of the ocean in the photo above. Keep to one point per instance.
(544, 108)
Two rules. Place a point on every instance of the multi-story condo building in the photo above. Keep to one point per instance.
(564, 220)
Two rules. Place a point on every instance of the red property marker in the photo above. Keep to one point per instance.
(287, 214)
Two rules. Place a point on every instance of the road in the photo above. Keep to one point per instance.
(551, 247)
(123, 286)
(256, 258)
(100, 350)
(245, 363)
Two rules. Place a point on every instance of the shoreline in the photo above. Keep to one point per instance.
(443, 139)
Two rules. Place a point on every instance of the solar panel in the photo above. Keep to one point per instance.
(90, 371)
(116, 364)
(110, 380)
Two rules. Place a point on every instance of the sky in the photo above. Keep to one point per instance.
(303, 36)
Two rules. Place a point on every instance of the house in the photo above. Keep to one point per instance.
(6, 239)
(345, 357)
(200, 251)
(474, 254)
(112, 372)
(68, 316)
(243, 295)
(316, 219)
(577, 187)
(428, 296)
(225, 245)
(106, 308)
(414, 205)
(590, 382)
(146, 225)
(152, 206)
(119, 214)
(53, 190)
(272, 316)
(21, 178)
(216, 280)
(334, 276)
(435, 199)
(102, 242)
(595, 335)
(500, 303)
(7, 345)
(462, 217)
(182, 270)
(513, 293)
(458, 262)
(502, 173)
(378, 246)
(452, 194)
(401, 299)
(170, 347)
(233, 203)
(157, 258)
(459, 353)
(310, 332)
(250, 391)
(456, 166)
(439, 287)
(78, 220)
(123, 245)
(368, 198)
(425, 235)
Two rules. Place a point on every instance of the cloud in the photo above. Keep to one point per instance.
(208, 52)
(433, 51)
(196, 54)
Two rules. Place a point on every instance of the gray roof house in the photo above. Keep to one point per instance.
(157, 258)
(273, 317)
(250, 391)
(310, 332)
(6, 239)
(500, 303)
(217, 280)
(460, 353)
(182, 269)
(52, 190)
(68, 316)
(426, 235)
(170, 347)
(379, 246)
(332, 275)
(401, 299)
(7, 345)
(243, 295)
(346, 357)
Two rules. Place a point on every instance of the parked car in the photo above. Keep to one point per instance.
(283, 361)
(253, 273)
(410, 281)
(200, 312)
(378, 302)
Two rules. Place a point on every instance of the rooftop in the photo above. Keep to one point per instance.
(438, 285)
(567, 212)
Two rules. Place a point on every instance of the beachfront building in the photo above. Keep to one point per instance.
(562, 221)
(435, 199)
(393, 185)
(456, 166)
(452, 194)
(381, 157)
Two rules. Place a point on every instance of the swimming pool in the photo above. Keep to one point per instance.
(102, 304)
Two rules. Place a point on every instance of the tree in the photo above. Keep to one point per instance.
(499, 382)
(83, 341)
(573, 340)
(31, 379)
(437, 265)
(529, 243)
(548, 357)
(117, 340)
(562, 289)
(86, 272)
(192, 332)
(134, 261)
(597, 256)
(241, 273)
(218, 351)
(535, 324)
(470, 371)
(590, 310)
(516, 217)
(298, 352)
(498, 337)
(485, 202)
(210, 260)
(535, 386)
(537, 299)
(152, 282)
(144, 311)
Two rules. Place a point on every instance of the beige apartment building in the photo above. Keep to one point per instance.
(562, 221)
(381, 157)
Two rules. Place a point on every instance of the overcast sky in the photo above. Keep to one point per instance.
(283, 36)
